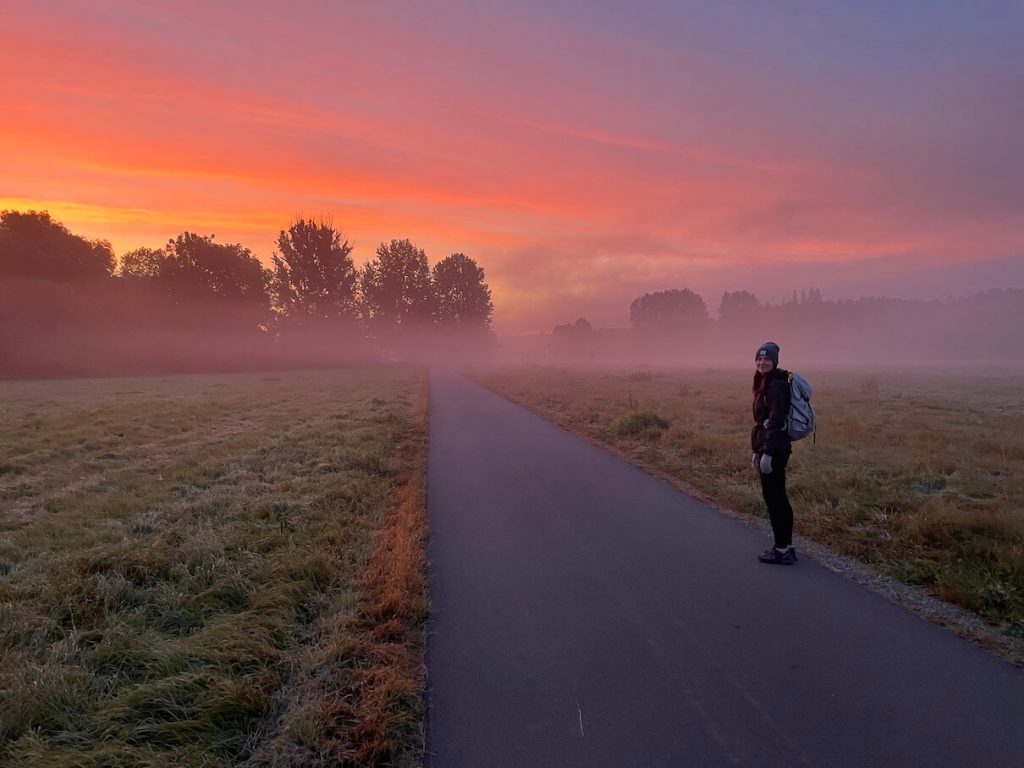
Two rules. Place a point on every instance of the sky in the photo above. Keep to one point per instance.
(583, 153)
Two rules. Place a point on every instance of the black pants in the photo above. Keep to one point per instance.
(773, 488)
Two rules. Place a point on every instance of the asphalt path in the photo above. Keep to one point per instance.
(588, 614)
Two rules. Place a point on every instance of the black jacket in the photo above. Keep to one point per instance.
(771, 406)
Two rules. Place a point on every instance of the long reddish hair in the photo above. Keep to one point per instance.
(761, 380)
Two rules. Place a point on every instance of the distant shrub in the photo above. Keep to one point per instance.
(637, 422)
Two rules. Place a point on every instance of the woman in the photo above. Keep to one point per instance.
(772, 447)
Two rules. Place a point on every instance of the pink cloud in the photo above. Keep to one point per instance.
(578, 164)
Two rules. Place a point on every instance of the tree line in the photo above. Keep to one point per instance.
(675, 326)
(69, 305)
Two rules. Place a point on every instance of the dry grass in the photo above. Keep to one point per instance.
(213, 570)
(921, 475)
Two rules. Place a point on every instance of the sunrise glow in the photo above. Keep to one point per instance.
(581, 153)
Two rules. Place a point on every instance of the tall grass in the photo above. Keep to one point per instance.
(176, 555)
(919, 474)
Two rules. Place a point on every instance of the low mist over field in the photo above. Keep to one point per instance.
(674, 328)
(69, 307)
(849, 174)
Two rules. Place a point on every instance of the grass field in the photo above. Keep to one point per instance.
(918, 474)
(213, 570)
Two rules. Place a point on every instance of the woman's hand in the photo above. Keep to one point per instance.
(765, 464)
(753, 462)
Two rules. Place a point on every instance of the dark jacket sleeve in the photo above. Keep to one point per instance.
(770, 434)
(777, 440)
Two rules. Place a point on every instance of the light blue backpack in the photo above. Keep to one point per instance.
(800, 419)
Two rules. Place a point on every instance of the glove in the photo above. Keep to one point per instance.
(754, 463)
(766, 464)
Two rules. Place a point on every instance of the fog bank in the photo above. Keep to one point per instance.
(981, 329)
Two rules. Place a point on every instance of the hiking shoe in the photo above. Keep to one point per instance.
(772, 556)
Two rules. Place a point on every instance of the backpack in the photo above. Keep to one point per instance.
(800, 419)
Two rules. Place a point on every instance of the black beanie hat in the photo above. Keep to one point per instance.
(770, 350)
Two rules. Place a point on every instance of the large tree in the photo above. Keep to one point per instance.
(141, 263)
(314, 279)
(462, 295)
(197, 267)
(670, 312)
(395, 287)
(738, 307)
(33, 245)
(572, 341)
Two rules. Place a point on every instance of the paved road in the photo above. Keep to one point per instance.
(587, 614)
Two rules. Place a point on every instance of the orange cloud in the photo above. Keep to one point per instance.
(579, 166)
